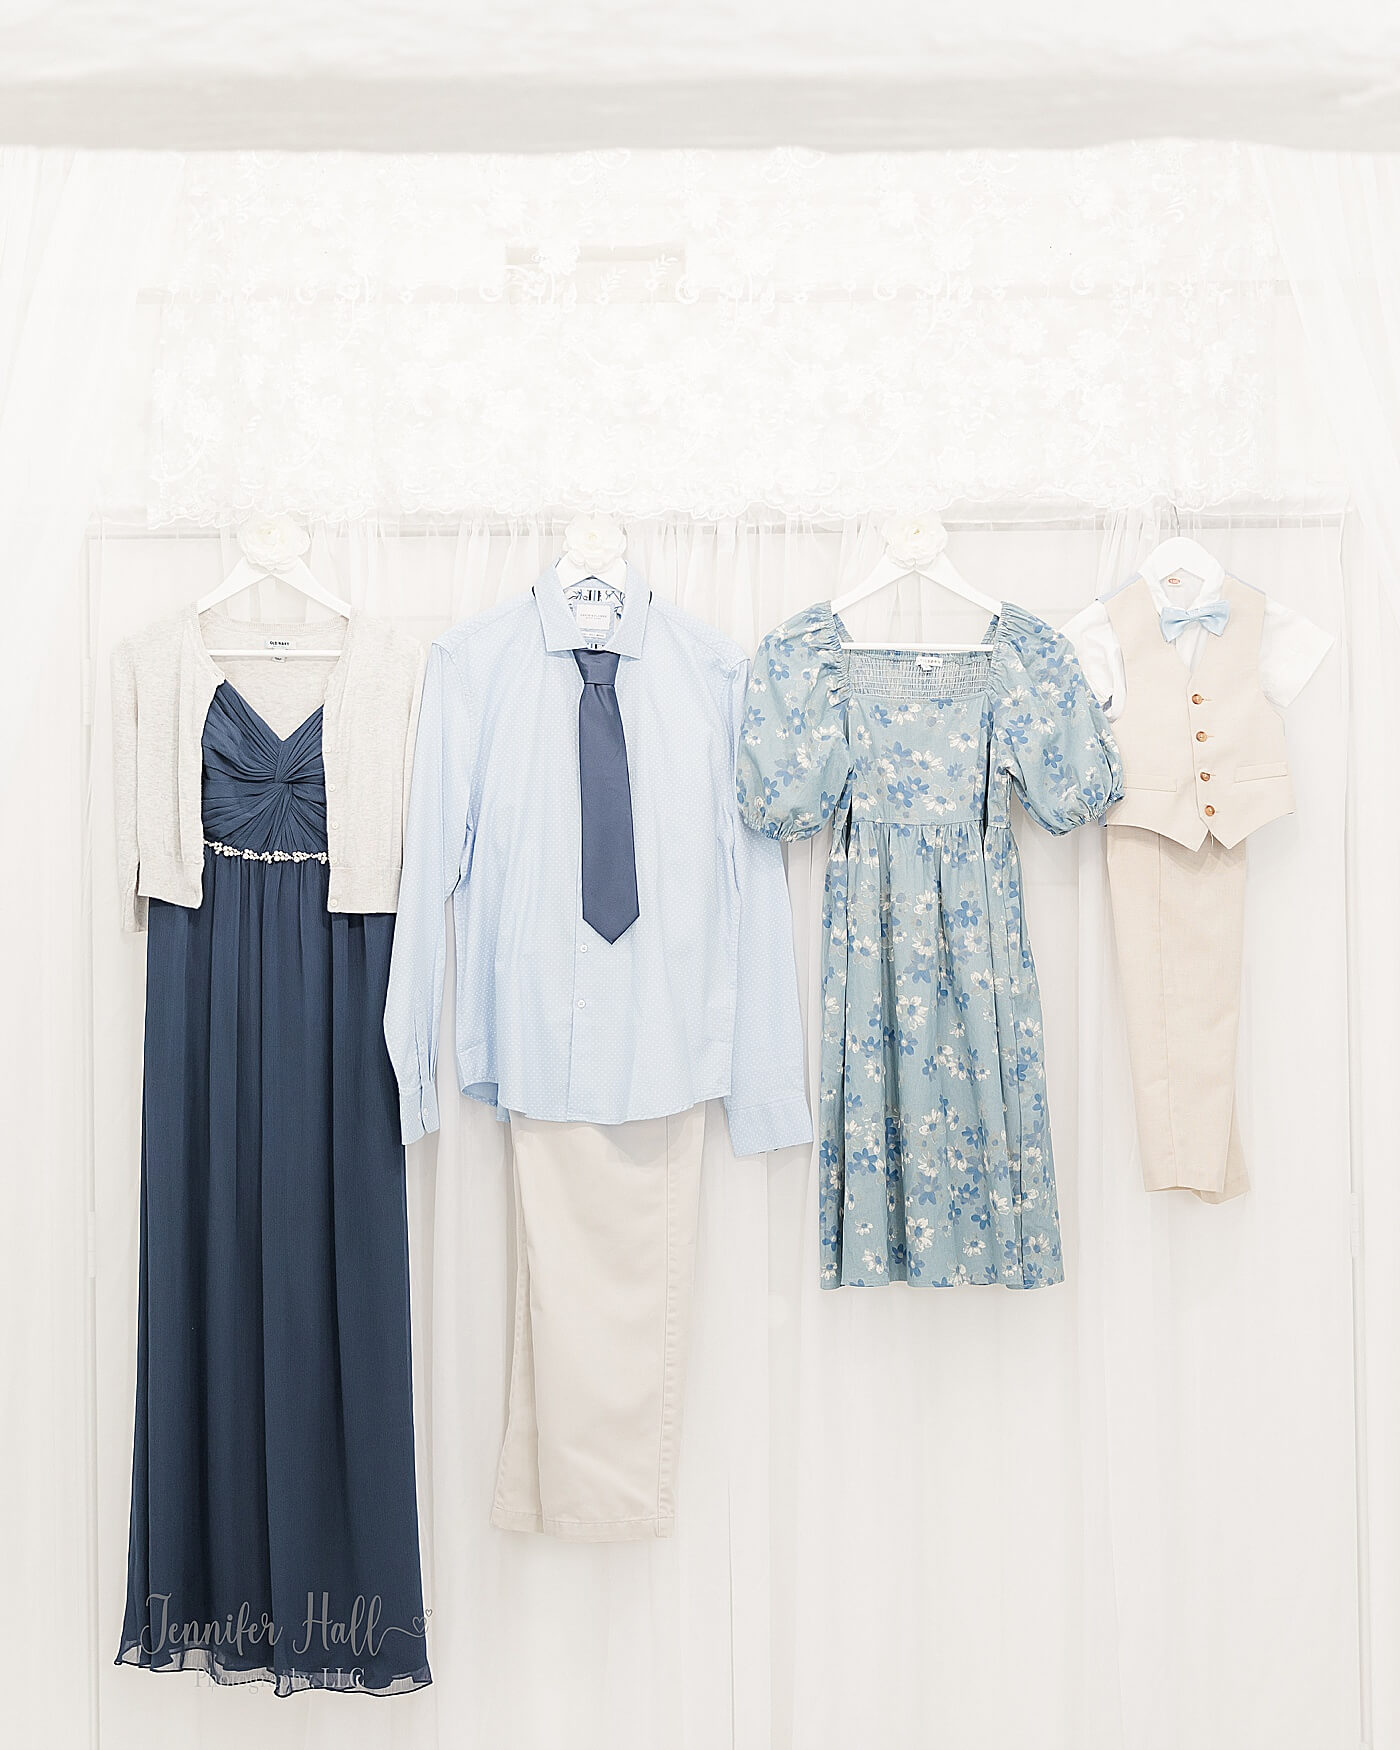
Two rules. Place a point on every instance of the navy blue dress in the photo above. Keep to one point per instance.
(274, 1521)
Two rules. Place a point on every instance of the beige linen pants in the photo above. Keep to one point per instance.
(605, 1224)
(1178, 916)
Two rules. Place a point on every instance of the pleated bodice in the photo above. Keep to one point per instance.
(263, 792)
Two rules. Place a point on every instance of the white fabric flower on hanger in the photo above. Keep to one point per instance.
(915, 540)
(271, 541)
(594, 540)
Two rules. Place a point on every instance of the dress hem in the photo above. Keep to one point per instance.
(1045, 1281)
(203, 1663)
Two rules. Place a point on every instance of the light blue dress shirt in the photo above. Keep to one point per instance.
(698, 998)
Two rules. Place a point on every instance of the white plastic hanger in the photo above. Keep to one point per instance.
(1178, 555)
(918, 549)
(259, 562)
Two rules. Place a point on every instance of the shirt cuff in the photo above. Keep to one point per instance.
(753, 1130)
(418, 1112)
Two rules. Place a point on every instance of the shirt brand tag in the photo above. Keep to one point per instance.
(929, 660)
(593, 616)
(279, 648)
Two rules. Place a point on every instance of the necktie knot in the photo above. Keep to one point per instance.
(1214, 616)
(598, 667)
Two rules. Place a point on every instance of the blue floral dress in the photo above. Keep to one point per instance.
(936, 1165)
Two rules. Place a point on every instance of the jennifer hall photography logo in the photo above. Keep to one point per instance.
(359, 1636)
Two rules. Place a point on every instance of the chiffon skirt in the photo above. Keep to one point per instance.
(274, 1527)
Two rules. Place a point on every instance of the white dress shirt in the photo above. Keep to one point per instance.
(1290, 649)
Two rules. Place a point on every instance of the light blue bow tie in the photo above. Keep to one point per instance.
(1214, 616)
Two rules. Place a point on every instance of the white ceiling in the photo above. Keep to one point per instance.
(448, 75)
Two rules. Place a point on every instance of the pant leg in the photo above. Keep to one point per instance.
(606, 1219)
(1178, 918)
(517, 1503)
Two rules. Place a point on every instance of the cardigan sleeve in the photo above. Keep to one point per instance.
(435, 857)
(124, 724)
(410, 744)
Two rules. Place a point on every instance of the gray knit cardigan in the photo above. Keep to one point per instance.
(163, 680)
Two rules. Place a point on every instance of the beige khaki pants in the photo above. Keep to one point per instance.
(1178, 916)
(605, 1224)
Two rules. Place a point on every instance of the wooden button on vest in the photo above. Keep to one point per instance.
(1196, 699)
(1209, 809)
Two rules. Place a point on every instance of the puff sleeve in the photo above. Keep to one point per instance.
(793, 760)
(1052, 733)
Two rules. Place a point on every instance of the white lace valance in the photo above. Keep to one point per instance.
(694, 332)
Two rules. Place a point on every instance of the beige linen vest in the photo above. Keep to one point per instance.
(1203, 751)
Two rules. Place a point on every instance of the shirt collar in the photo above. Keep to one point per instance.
(1211, 586)
(561, 629)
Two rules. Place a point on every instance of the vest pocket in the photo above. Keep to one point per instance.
(1270, 769)
(1150, 781)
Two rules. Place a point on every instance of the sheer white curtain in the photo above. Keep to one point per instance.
(1120, 1515)
(1116, 1514)
(79, 236)
(1338, 220)
(1373, 930)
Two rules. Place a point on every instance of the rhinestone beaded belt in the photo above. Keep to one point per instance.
(268, 856)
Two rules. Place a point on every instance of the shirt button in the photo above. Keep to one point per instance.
(1196, 699)
(1201, 735)
(583, 947)
(582, 1004)
(1209, 809)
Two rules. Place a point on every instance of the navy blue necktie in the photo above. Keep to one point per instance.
(605, 800)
